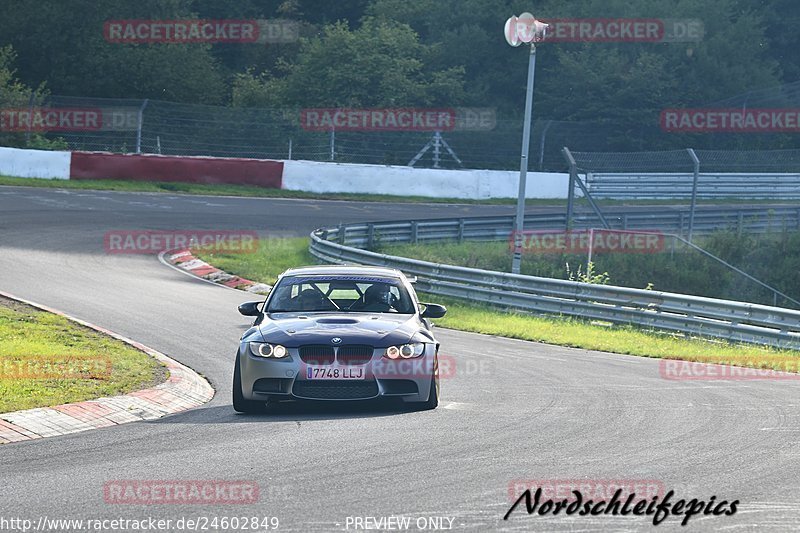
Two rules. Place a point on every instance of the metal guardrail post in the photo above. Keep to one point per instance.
(414, 232)
(696, 162)
(341, 233)
(370, 236)
(460, 230)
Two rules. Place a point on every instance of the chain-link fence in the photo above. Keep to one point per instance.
(159, 127)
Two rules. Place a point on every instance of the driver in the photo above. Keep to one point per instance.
(379, 298)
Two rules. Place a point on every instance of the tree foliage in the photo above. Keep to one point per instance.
(16, 95)
(382, 63)
(413, 53)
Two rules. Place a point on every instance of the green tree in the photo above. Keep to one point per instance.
(381, 63)
(16, 95)
(628, 83)
(62, 43)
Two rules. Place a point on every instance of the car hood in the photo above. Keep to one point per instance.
(378, 329)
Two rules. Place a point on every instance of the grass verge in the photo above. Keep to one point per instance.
(240, 190)
(259, 192)
(275, 255)
(48, 360)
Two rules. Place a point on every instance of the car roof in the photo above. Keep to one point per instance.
(344, 270)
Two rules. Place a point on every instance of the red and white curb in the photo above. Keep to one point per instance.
(184, 389)
(185, 261)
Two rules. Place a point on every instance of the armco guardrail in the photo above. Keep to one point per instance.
(709, 186)
(734, 321)
(668, 220)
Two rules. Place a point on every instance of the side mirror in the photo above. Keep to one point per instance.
(433, 311)
(250, 309)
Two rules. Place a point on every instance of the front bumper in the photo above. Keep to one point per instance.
(287, 378)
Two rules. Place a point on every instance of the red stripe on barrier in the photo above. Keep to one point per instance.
(209, 170)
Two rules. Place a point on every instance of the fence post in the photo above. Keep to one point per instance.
(414, 232)
(290, 150)
(333, 145)
(30, 119)
(460, 230)
(541, 144)
(139, 126)
(573, 172)
(696, 162)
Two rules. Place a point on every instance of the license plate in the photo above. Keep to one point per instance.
(335, 372)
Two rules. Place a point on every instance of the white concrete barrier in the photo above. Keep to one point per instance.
(34, 163)
(314, 176)
(321, 177)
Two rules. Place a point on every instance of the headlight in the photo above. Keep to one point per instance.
(406, 351)
(262, 349)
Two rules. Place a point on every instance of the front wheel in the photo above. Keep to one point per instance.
(433, 395)
(240, 404)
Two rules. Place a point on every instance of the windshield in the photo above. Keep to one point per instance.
(310, 294)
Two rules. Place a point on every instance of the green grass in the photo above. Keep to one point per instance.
(272, 257)
(772, 258)
(238, 190)
(259, 192)
(275, 255)
(85, 364)
(608, 338)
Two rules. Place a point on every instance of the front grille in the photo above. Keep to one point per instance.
(354, 354)
(335, 390)
(314, 354)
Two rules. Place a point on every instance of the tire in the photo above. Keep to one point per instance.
(240, 404)
(433, 394)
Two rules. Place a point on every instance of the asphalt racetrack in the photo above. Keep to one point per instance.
(513, 410)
